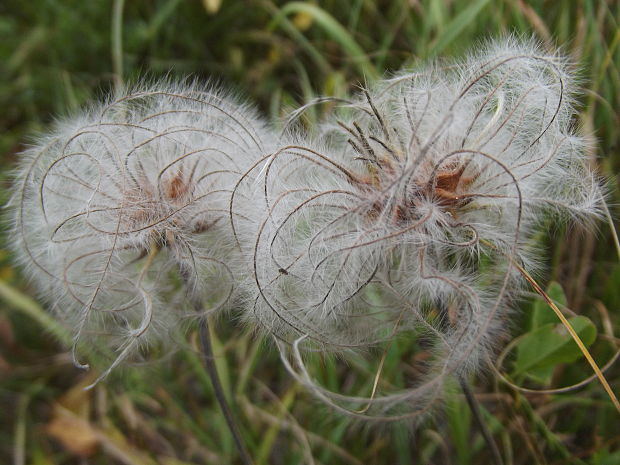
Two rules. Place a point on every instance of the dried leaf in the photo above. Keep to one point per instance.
(70, 420)
(74, 433)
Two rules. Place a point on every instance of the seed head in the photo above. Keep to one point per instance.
(118, 205)
(407, 211)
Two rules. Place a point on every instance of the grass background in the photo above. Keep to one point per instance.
(57, 55)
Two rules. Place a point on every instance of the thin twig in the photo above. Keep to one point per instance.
(207, 348)
(475, 409)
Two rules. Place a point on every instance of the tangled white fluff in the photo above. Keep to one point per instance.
(404, 213)
(379, 224)
(113, 203)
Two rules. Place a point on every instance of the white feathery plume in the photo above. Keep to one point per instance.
(115, 202)
(405, 213)
(408, 211)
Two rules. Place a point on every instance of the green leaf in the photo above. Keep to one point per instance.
(541, 374)
(542, 314)
(541, 349)
(604, 457)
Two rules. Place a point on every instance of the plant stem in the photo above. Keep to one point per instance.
(475, 409)
(117, 42)
(207, 348)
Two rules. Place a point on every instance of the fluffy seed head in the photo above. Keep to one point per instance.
(119, 204)
(408, 210)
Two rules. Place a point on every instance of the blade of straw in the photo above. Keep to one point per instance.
(573, 334)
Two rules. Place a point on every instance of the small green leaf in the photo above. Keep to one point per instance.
(542, 314)
(540, 350)
(542, 374)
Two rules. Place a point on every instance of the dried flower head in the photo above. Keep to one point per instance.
(119, 203)
(408, 211)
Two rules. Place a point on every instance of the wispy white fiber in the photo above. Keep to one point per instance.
(406, 212)
(402, 215)
(116, 201)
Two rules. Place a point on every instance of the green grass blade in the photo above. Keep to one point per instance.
(454, 28)
(30, 307)
(335, 30)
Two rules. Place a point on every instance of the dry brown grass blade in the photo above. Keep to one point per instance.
(574, 335)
